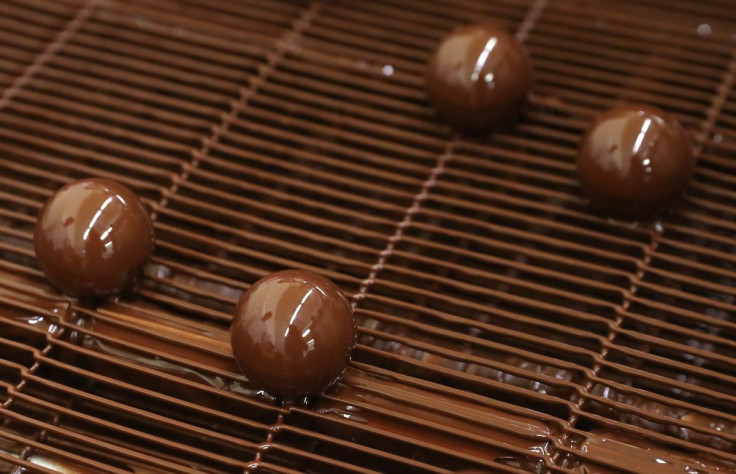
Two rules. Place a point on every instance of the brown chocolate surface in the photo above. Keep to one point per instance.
(633, 160)
(504, 325)
(447, 423)
(93, 237)
(636, 454)
(293, 333)
(478, 77)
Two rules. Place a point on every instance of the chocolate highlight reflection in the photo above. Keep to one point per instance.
(634, 160)
(93, 237)
(293, 333)
(478, 77)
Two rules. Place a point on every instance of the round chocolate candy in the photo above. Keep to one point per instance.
(93, 237)
(293, 333)
(633, 160)
(478, 78)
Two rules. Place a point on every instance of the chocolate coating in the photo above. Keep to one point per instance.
(292, 333)
(634, 160)
(400, 410)
(93, 237)
(478, 77)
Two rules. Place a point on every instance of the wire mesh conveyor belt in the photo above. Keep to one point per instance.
(502, 325)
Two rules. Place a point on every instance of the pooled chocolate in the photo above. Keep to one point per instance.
(293, 333)
(478, 77)
(633, 453)
(634, 160)
(93, 237)
(403, 411)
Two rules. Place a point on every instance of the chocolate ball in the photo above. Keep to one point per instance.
(634, 160)
(93, 237)
(478, 78)
(293, 333)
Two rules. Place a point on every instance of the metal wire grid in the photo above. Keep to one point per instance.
(265, 135)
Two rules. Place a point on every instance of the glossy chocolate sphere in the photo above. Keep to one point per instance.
(93, 237)
(293, 333)
(478, 78)
(634, 160)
